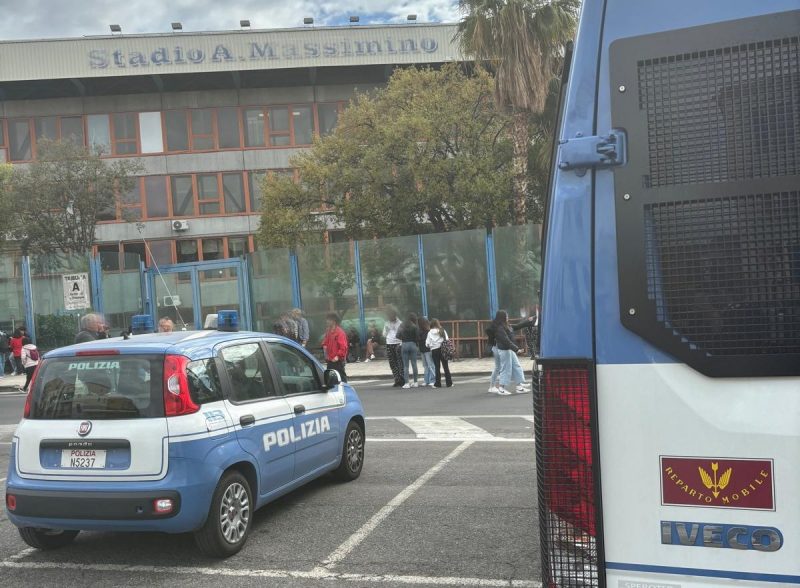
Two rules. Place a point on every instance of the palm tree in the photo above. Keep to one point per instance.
(523, 42)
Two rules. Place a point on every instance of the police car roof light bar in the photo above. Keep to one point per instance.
(228, 320)
(142, 323)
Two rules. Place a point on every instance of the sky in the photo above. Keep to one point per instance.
(34, 19)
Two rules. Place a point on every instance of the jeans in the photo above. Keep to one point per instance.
(510, 368)
(339, 367)
(409, 352)
(496, 371)
(427, 366)
(5, 356)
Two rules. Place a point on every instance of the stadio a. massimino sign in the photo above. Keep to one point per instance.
(259, 51)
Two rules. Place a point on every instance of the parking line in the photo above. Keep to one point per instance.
(358, 537)
(316, 574)
(461, 416)
(449, 440)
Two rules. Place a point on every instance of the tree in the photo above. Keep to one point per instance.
(54, 203)
(523, 41)
(428, 151)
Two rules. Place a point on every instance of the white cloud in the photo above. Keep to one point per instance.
(68, 18)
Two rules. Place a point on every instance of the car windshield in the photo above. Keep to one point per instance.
(99, 387)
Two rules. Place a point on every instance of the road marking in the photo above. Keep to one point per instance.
(7, 429)
(444, 427)
(320, 574)
(448, 440)
(460, 416)
(20, 555)
(358, 537)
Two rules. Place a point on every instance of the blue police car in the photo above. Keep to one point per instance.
(176, 432)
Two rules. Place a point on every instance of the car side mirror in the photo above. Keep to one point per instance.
(332, 379)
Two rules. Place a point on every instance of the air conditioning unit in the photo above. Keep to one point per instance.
(180, 225)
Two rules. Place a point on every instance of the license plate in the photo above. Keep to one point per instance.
(83, 459)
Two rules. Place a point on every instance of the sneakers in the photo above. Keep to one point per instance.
(522, 389)
(415, 385)
(494, 390)
(406, 386)
(371, 357)
(367, 360)
(503, 392)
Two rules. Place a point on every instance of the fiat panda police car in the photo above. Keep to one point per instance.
(176, 432)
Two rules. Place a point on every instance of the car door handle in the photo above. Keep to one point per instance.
(299, 409)
(247, 420)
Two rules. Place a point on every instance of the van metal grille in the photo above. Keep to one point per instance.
(722, 114)
(724, 273)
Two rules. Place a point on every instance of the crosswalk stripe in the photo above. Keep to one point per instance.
(444, 428)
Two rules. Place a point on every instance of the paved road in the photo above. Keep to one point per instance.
(447, 497)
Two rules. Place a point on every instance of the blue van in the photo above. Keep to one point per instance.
(176, 432)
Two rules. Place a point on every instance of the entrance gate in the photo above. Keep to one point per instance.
(187, 292)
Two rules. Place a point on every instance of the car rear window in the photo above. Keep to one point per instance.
(99, 387)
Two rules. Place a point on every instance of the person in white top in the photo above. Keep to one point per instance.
(436, 336)
(30, 359)
(393, 343)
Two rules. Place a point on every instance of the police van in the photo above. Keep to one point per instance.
(668, 402)
(176, 432)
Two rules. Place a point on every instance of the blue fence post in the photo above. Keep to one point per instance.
(245, 282)
(144, 287)
(491, 274)
(198, 317)
(27, 293)
(362, 318)
(297, 299)
(422, 285)
(96, 279)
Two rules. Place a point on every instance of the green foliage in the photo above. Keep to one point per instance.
(53, 204)
(428, 152)
(55, 330)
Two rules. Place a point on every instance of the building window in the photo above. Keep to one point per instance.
(125, 133)
(254, 127)
(131, 202)
(228, 128)
(182, 196)
(233, 192)
(72, 129)
(212, 249)
(187, 251)
(46, 128)
(208, 194)
(302, 125)
(328, 115)
(132, 253)
(177, 130)
(99, 132)
(161, 253)
(254, 180)
(237, 247)
(279, 132)
(202, 129)
(150, 132)
(19, 136)
(109, 257)
(155, 189)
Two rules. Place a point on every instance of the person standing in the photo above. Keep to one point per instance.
(302, 326)
(425, 351)
(15, 345)
(30, 359)
(491, 341)
(510, 368)
(5, 353)
(409, 336)
(436, 337)
(390, 329)
(334, 345)
(165, 325)
(90, 327)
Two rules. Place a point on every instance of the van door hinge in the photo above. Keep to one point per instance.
(583, 153)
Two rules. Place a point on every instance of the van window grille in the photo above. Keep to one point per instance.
(724, 273)
(722, 114)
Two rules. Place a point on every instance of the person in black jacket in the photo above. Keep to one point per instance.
(510, 368)
(409, 336)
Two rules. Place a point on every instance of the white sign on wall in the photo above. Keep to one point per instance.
(76, 291)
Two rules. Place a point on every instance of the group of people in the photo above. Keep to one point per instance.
(507, 369)
(20, 353)
(409, 339)
(292, 325)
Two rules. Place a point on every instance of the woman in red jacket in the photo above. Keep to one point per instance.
(15, 345)
(335, 345)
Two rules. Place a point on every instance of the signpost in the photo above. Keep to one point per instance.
(76, 291)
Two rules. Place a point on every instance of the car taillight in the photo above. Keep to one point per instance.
(26, 413)
(11, 502)
(177, 400)
(567, 474)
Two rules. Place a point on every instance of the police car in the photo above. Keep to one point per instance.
(176, 432)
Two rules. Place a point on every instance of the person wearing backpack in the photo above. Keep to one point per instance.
(30, 359)
(435, 340)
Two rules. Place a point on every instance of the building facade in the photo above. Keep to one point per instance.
(207, 115)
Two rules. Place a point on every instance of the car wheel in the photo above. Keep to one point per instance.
(352, 453)
(229, 517)
(47, 538)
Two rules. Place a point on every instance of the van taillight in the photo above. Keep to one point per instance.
(177, 400)
(566, 468)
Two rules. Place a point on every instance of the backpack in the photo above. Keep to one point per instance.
(33, 354)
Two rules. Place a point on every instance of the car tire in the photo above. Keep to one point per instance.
(230, 517)
(47, 538)
(352, 454)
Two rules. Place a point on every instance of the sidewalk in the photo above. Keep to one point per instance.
(379, 368)
(10, 383)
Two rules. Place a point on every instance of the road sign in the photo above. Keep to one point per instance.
(76, 291)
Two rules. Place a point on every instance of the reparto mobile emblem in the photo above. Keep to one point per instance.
(717, 482)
